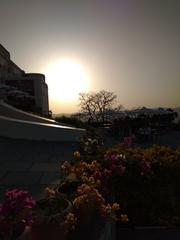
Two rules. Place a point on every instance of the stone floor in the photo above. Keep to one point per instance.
(31, 165)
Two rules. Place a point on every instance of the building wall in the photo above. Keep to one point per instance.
(3, 67)
(40, 92)
(45, 100)
(33, 83)
(7, 67)
(14, 70)
(22, 84)
(4, 53)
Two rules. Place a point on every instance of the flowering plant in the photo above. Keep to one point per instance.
(15, 211)
(90, 199)
(91, 146)
(50, 207)
(152, 172)
(125, 160)
(88, 195)
(52, 217)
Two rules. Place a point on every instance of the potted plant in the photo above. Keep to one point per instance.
(82, 183)
(51, 217)
(15, 213)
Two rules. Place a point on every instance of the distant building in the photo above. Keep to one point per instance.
(29, 90)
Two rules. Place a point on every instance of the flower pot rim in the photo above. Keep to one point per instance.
(66, 210)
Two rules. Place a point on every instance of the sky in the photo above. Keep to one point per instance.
(129, 47)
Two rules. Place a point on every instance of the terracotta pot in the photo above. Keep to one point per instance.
(50, 226)
(84, 216)
(18, 229)
(51, 231)
(88, 227)
(9, 231)
(5, 230)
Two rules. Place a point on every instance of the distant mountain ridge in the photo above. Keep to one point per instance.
(61, 114)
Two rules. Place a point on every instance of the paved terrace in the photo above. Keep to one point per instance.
(31, 165)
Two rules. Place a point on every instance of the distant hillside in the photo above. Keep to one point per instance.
(61, 114)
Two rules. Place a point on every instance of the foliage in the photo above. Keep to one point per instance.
(50, 207)
(89, 190)
(71, 121)
(91, 146)
(54, 213)
(148, 183)
(145, 182)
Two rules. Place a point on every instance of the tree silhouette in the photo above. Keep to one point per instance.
(97, 105)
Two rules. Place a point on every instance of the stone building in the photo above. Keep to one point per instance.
(7, 67)
(27, 91)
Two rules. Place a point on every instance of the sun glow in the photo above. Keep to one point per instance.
(66, 79)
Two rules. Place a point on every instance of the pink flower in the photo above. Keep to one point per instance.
(113, 167)
(17, 202)
(114, 158)
(121, 170)
(145, 167)
(111, 156)
(107, 172)
(128, 141)
(107, 156)
(97, 175)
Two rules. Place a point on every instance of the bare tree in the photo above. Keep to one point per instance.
(96, 104)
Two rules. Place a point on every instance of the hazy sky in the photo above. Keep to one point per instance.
(131, 47)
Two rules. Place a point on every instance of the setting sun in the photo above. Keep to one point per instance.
(66, 79)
